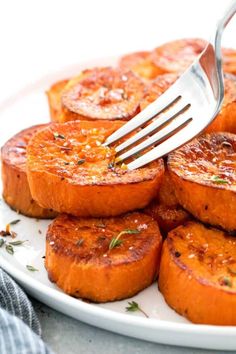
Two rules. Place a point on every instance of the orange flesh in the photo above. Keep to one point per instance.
(16, 190)
(204, 178)
(225, 120)
(72, 156)
(93, 271)
(201, 263)
(178, 55)
(141, 64)
(54, 99)
(103, 93)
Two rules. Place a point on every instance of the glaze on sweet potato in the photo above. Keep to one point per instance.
(167, 217)
(198, 274)
(102, 93)
(79, 261)
(204, 177)
(54, 99)
(71, 171)
(165, 208)
(140, 63)
(225, 120)
(16, 190)
(176, 56)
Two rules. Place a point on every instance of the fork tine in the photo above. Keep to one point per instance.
(184, 135)
(180, 107)
(163, 133)
(162, 102)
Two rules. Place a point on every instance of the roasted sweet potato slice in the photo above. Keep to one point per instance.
(225, 120)
(178, 55)
(16, 190)
(141, 64)
(204, 177)
(167, 217)
(103, 259)
(198, 274)
(156, 88)
(166, 193)
(229, 62)
(102, 93)
(70, 171)
(165, 208)
(54, 99)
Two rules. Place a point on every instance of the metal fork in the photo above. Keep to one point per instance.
(182, 111)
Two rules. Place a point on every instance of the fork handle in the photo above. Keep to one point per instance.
(220, 26)
(229, 13)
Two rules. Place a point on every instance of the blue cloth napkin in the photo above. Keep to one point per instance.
(20, 329)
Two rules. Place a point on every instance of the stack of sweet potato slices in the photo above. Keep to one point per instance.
(106, 242)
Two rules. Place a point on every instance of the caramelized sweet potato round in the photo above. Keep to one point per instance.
(81, 261)
(157, 88)
(54, 99)
(71, 171)
(140, 63)
(165, 208)
(167, 217)
(204, 177)
(16, 190)
(229, 60)
(225, 120)
(176, 56)
(102, 93)
(198, 274)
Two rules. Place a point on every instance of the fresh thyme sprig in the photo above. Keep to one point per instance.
(219, 180)
(134, 307)
(115, 241)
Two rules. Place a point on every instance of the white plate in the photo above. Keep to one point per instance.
(27, 108)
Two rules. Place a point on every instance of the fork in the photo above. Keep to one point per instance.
(182, 111)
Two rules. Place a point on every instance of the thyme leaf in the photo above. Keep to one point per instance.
(9, 248)
(17, 243)
(57, 135)
(14, 222)
(134, 307)
(31, 268)
(80, 242)
(219, 180)
(115, 241)
(2, 242)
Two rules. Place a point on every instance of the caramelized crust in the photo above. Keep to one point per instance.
(166, 193)
(225, 120)
(16, 190)
(176, 56)
(79, 261)
(204, 178)
(71, 171)
(102, 93)
(229, 61)
(198, 274)
(167, 217)
(157, 88)
(140, 63)
(54, 99)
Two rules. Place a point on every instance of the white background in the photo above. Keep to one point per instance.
(38, 37)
